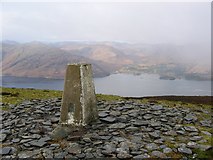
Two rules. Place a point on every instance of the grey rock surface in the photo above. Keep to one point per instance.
(124, 130)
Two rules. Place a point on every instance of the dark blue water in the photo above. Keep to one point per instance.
(121, 84)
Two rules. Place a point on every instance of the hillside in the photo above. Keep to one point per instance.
(127, 128)
(38, 59)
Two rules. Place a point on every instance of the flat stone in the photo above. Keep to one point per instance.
(47, 123)
(204, 147)
(34, 136)
(135, 139)
(159, 141)
(5, 150)
(151, 146)
(115, 113)
(105, 137)
(55, 145)
(156, 107)
(142, 156)
(122, 118)
(158, 154)
(47, 153)
(57, 114)
(190, 117)
(170, 114)
(74, 148)
(191, 134)
(106, 152)
(102, 114)
(117, 126)
(2, 137)
(155, 124)
(89, 156)
(195, 138)
(128, 107)
(163, 120)
(133, 114)
(87, 140)
(38, 112)
(132, 129)
(157, 113)
(27, 154)
(119, 139)
(25, 140)
(115, 133)
(54, 120)
(154, 134)
(35, 131)
(192, 145)
(171, 133)
(123, 147)
(108, 119)
(37, 143)
(80, 156)
(147, 129)
(5, 131)
(46, 138)
(27, 145)
(124, 155)
(73, 138)
(16, 140)
(138, 123)
(97, 142)
(60, 132)
(108, 149)
(191, 128)
(202, 141)
(60, 155)
(206, 123)
(13, 150)
(206, 133)
(181, 132)
(134, 153)
(120, 108)
(147, 116)
(185, 150)
(167, 150)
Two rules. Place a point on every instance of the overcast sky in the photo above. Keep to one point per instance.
(139, 22)
(176, 23)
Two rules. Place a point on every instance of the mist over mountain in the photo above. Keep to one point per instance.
(42, 59)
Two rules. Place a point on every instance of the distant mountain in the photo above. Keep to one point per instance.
(39, 59)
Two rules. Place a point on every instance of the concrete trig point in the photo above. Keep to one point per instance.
(79, 106)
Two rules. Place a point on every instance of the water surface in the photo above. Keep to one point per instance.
(121, 84)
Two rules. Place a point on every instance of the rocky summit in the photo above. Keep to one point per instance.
(125, 130)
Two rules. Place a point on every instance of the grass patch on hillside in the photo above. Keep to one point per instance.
(108, 97)
(203, 154)
(170, 103)
(17, 95)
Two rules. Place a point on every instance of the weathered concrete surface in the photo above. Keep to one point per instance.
(79, 106)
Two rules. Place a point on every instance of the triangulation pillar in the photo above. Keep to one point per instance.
(79, 105)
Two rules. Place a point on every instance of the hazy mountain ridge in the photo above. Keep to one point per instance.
(38, 59)
(41, 60)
